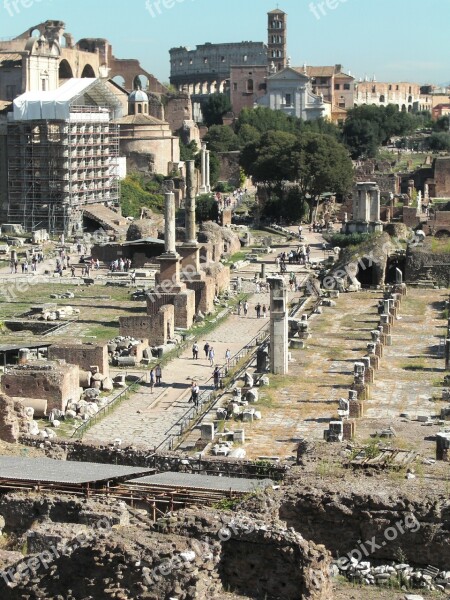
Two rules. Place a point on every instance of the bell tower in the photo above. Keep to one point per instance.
(277, 38)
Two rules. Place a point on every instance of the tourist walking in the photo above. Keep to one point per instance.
(228, 357)
(195, 351)
(195, 391)
(258, 310)
(206, 348)
(158, 374)
(211, 355)
(151, 378)
(264, 311)
(216, 377)
(239, 306)
(245, 308)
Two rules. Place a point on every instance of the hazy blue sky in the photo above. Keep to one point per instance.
(403, 40)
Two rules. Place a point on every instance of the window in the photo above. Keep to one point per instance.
(288, 100)
(346, 86)
(382, 98)
(181, 63)
(191, 61)
(341, 104)
(374, 89)
(205, 60)
(222, 59)
(235, 86)
(250, 85)
(390, 88)
(397, 87)
(245, 58)
(323, 81)
(410, 89)
(337, 86)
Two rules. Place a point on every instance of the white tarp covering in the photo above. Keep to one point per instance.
(56, 104)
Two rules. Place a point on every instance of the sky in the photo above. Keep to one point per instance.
(393, 40)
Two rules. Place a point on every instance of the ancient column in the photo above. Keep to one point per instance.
(203, 188)
(279, 334)
(447, 354)
(190, 250)
(208, 171)
(169, 223)
(189, 203)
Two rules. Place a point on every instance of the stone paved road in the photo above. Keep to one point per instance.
(145, 418)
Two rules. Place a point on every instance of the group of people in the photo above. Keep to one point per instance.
(120, 265)
(155, 376)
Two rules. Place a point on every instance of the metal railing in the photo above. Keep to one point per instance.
(208, 397)
(104, 410)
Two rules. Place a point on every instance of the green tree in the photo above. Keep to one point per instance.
(361, 138)
(439, 142)
(269, 159)
(206, 208)
(265, 119)
(214, 108)
(134, 196)
(188, 151)
(247, 134)
(442, 124)
(323, 165)
(221, 138)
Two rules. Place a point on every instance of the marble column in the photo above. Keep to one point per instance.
(169, 224)
(203, 189)
(208, 171)
(190, 202)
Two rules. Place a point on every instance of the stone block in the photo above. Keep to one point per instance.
(207, 431)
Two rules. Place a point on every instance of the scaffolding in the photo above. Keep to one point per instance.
(57, 167)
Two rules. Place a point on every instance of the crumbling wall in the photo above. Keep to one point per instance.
(56, 383)
(422, 264)
(341, 520)
(12, 419)
(83, 355)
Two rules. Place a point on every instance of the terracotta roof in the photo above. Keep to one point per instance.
(12, 57)
(139, 120)
(322, 72)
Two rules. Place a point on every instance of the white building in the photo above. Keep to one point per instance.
(290, 92)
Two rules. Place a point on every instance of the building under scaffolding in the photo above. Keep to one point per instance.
(63, 150)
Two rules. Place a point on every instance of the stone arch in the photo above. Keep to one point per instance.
(403, 107)
(409, 108)
(88, 71)
(65, 70)
(409, 99)
(120, 80)
(382, 98)
(141, 81)
(35, 33)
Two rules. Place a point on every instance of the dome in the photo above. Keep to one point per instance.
(138, 96)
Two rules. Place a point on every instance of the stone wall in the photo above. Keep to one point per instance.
(83, 355)
(56, 383)
(341, 520)
(162, 462)
(424, 265)
(12, 420)
(157, 328)
(194, 554)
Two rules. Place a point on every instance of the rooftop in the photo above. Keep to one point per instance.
(203, 482)
(48, 470)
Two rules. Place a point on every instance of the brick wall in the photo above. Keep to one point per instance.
(83, 355)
